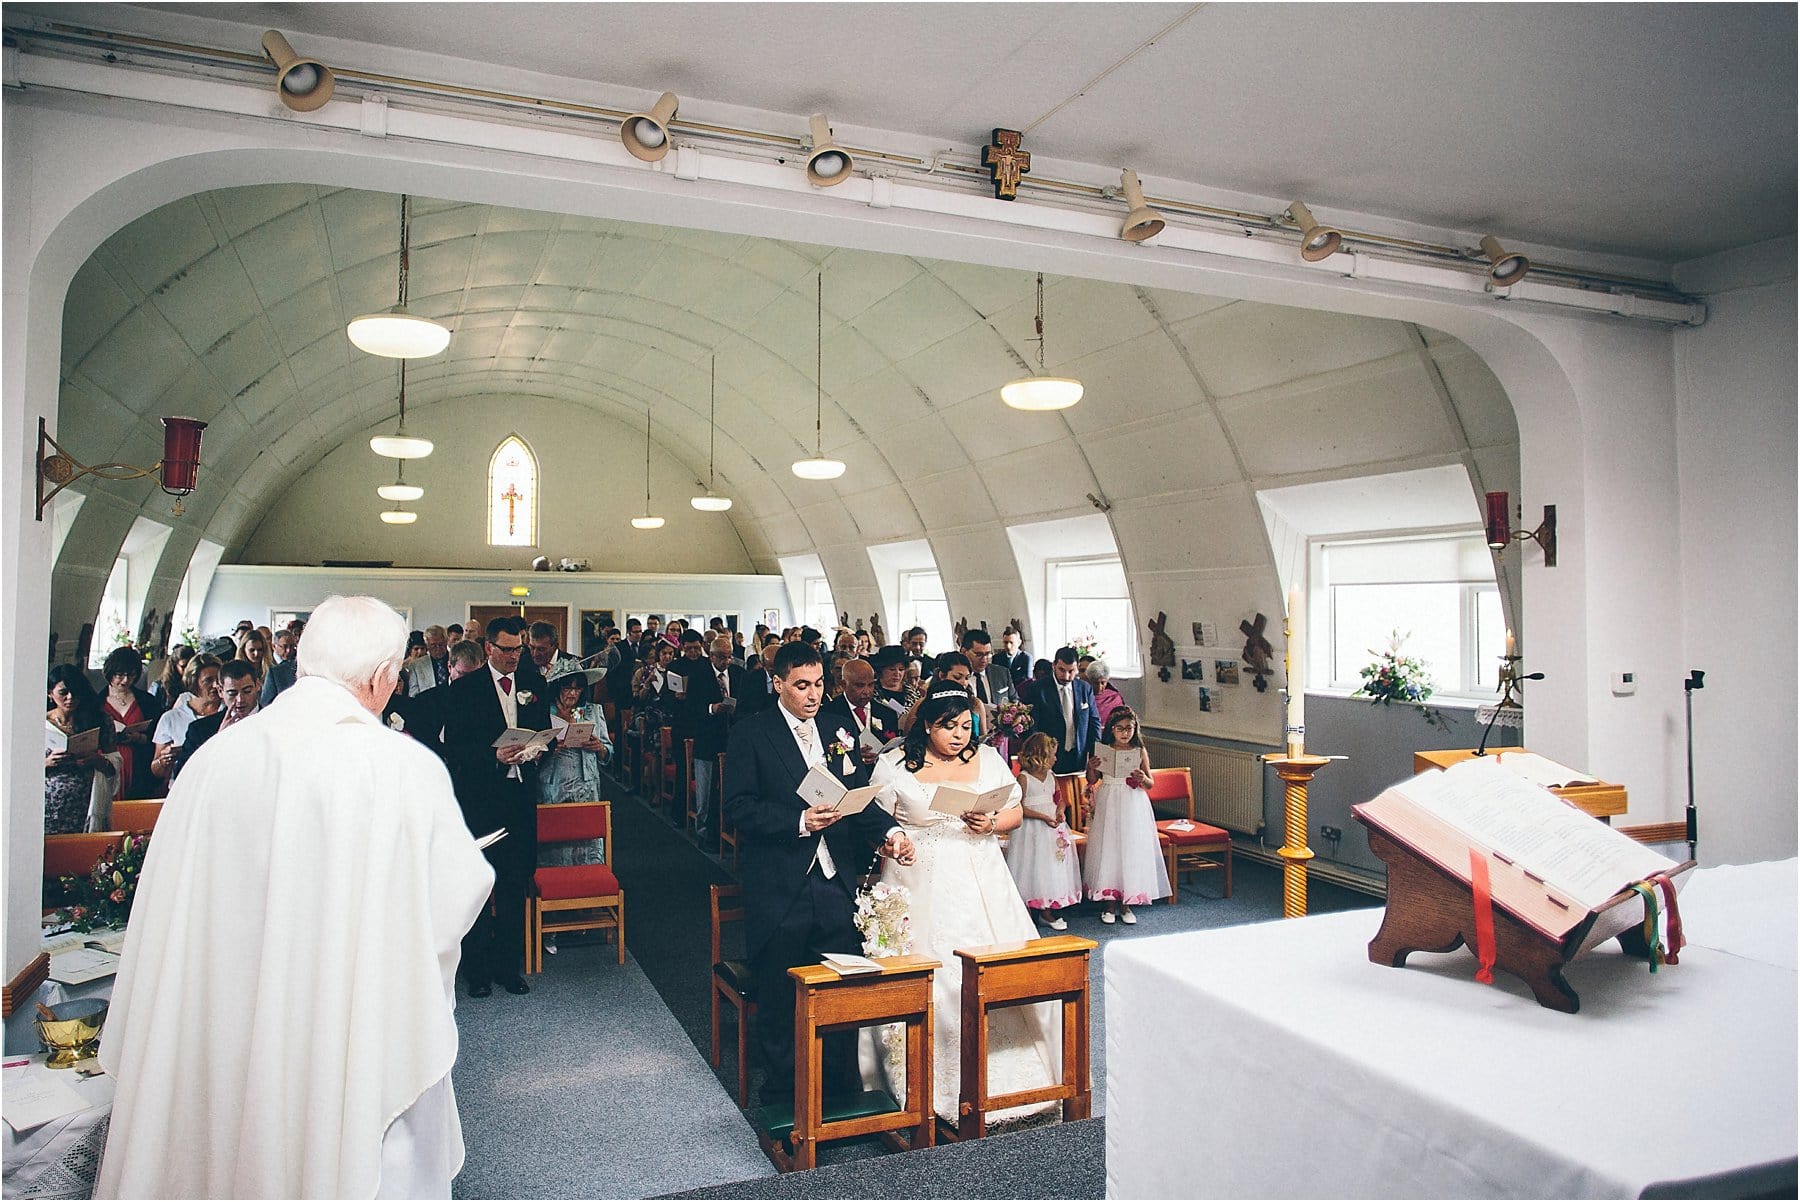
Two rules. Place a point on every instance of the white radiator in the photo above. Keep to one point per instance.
(1227, 784)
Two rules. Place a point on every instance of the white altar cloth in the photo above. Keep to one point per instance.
(1276, 1060)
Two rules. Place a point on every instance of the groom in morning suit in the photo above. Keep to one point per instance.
(494, 789)
(1065, 711)
(800, 863)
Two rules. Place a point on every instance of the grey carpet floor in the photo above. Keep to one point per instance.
(588, 1088)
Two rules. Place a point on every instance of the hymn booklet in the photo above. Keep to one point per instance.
(956, 801)
(873, 742)
(1552, 865)
(516, 736)
(82, 742)
(821, 788)
(1116, 764)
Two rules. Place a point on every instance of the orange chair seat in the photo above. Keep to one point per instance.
(1202, 833)
(560, 883)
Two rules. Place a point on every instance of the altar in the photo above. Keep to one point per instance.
(1276, 1060)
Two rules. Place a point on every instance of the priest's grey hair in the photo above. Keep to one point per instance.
(350, 639)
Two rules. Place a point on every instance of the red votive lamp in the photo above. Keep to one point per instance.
(181, 454)
(1499, 528)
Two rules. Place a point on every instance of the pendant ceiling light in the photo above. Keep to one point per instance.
(819, 467)
(711, 502)
(399, 444)
(399, 517)
(1041, 392)
(397, 333)
(400, 490)
(647, 520)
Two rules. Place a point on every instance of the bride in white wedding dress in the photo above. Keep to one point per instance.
(962, 896)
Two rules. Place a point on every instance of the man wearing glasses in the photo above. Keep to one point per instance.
(493, 787)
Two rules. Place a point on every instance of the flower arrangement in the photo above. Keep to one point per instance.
(883, 916)
(1395, 677)
(1012, 719)
(103, 898)
(1087, 643)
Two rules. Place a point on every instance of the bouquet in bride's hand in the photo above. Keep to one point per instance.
(1012, 720)
(883, 915)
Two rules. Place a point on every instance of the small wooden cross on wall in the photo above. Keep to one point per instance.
(1006, 162)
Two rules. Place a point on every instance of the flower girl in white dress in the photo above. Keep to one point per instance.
(1124, 865)
(962, 896)
(1040, 852)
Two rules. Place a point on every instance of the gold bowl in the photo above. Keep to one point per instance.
(72, 1033)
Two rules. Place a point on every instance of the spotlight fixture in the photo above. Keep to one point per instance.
(819, 467)
(179, 467)
(828, 163)
(647, 520)
(304, 84)
(1143, 222)
(397, 333)
(1504, 269)
(712, 502)
(646, 135)
(1500, 532)
(400, 444)
(1316, 241)
(400, 490)
(1041, 392)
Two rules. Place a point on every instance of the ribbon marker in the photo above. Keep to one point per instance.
(1484, 917)
(1676, 942)
(1652, 936)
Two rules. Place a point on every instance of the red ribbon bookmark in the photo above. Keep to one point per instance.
(1673, 920)
(1484, 916)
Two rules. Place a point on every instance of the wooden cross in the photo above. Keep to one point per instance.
(1257, 651)
(1006, 162)
(512, 496)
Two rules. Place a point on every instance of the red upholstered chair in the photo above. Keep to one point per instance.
(1197, 849)
(575, 897)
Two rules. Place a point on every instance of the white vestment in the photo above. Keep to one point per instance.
(288, 976)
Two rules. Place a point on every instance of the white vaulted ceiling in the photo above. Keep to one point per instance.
(230, 306)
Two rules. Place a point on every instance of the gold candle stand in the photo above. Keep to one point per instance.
(1296, 773)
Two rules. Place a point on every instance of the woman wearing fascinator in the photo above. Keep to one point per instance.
(962, 895)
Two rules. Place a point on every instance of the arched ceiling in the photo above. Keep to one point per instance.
(230, 306)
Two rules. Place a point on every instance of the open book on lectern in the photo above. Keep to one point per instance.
(1549, 864)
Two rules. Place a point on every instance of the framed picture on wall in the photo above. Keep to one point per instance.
(593, 625)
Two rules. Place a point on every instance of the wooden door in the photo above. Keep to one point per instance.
(556, 615)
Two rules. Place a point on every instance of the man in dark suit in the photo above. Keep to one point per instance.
(800, 863)
(714, 690)
(1013, 657)
(851, 713)
(990, 682)
(1065, 711)
(493, 786)
(759, 684)
(238, 692)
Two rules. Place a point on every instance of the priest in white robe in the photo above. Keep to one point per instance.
(281, 1024)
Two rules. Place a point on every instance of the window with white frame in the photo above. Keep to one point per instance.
(922, 603)
(1436, 593)
(512, 495)
(112, 623)
(190, 602)
(1086, 604)
(817, 609)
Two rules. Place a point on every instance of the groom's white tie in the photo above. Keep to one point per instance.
(809, 746)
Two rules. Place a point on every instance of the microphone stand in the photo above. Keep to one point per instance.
(1696, 679)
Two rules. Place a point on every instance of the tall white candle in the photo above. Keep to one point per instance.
(1509, 644)
(1296, 671)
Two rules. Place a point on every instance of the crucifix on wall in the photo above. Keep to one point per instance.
(512, 496)
(1006, 162)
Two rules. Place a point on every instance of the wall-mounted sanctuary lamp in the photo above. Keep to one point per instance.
(1500, 531)
(179, 465)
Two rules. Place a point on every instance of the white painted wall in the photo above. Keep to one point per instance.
(1735, 429)
(442, 597)
(590, 477)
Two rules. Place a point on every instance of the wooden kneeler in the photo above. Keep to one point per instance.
(825, 1003)
(1052, 969)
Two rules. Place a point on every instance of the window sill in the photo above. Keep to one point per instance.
(1441, 701)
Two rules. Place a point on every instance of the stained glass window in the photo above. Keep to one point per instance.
(512, 495)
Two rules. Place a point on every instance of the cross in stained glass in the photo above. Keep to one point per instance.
(512, 496)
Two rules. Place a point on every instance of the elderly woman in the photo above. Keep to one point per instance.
(1106, 698)
(570, 771)
(69, 775)
(134, 714)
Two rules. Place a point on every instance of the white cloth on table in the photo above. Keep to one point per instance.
(962, 896)
(1418, 1082)
(1041, 855)
(1745, 909)
(1123, 861)
(287, 984)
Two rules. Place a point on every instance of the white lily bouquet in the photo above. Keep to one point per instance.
(883, 915)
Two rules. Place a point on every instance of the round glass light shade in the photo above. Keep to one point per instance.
(818, 469)
(399, 492)
(400, 446)
(398, 334)
(711, 504)
(399, 517)
(1041, 392)
(647, 521)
